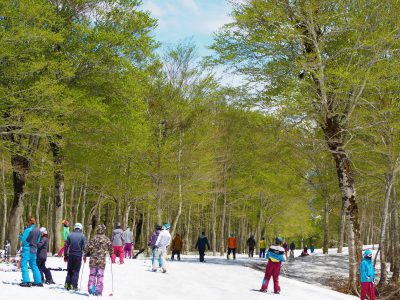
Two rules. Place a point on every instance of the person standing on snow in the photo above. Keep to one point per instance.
(201, 244)
(97, 249)
(231, 246)
(7, 250)
(118, 242)
(73, 252)
(292, 247)
(42, 257)
(367, 273)
(263, 247)
(176, 246)
(163, 241)
(152, 244)
(312, 248)
(65, 234)
(30, 239)
(275, 256)
(251, 243)
(286, 247)
(128, 239)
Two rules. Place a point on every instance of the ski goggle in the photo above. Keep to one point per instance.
(369, 255)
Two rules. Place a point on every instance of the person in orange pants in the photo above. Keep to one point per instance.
(231, 246)
(275, 256)
(118, 244)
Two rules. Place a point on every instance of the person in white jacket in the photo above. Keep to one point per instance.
(162, 243)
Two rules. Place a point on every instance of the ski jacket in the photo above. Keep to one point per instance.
(251, 242)
(163, 240)
(75, 244)
(153, 238)
(128, 236)
(98, 248)
(231, 243)
(202, 242)
(65, 232)
(275, 254)
(263, 244)
(177, 243)
(292, 246)
(117, 237)
(42, 248)
(367, 271)
(30, 238)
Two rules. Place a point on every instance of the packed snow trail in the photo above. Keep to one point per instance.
(187, 279)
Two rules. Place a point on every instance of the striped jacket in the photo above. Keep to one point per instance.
(276, 254)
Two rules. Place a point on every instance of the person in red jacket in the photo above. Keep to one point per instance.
(231, 246)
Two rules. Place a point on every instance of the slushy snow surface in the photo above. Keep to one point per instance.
(185, 279)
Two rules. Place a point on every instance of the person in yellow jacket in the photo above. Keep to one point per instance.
(263, 247)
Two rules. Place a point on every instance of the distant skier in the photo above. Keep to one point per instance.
(152, 244)
(231, 246)
(305, 252)
(286, 247)
(7, 250)
(176, 247)
(98, 248)
(128, 240)
(201, 244)
(42, 257)
(118, 242)
(73, 253)
(30, 239)
(275, 256)
(367, 273)
(312, 248)
(251, 243)
(263, 247)
(162, 243)
(292, 248)
(65, 234)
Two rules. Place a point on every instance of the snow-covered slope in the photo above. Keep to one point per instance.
(187, 279)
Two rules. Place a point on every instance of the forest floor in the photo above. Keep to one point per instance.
(187, 279)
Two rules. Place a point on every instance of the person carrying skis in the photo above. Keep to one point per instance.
(251, 243)
(163, 241)
(73, 252)
(176, 247)
(292, 247)
(65, 234)
(367, 274)
(128, 239)
(201, 244)
(118, 242)
(42, 257)
(275, 256)
(231, 246)
(97, 249)
(152, 244)
(30, 239)
(263, 247)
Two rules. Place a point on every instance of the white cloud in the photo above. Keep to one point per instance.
(190, 4)
(155, 10)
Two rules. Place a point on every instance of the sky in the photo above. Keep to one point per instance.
(181, 19)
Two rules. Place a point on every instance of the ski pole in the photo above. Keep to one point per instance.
(112, 280)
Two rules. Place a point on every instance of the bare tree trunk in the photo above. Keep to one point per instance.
(71, 204)
(223, 220)
(326, 225)
(39, 198)
(396, 240)
(214, 224)
(5, 206)
(83, 217)
(342, 229)
(187, 233)
(75, 208)
(180, 197)
(134, 221)
(353, 265)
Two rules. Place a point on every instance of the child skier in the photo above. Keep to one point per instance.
(367, 273)
(97, 249)
(162, 243)
(275, 256)
(128, 240)
(42, 257)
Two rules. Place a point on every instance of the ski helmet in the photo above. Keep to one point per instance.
(278, 240)
(78, 226)
(43, 230)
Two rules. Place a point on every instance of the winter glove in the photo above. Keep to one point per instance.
(65, 258)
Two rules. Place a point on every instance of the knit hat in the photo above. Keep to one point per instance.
(166, 226)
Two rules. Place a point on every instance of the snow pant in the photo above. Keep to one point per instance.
(292, 253)
(95, 284)
(367, 289)
(128, 250)
(118, 251)
(41, 263)
(232, 250)
(29, 258)
(201, 254)
(262, 252)
(251, 252)
(272, 270)
(61, 251)
(162, 259)
(153, 256)
(177, 253)
(73, 268)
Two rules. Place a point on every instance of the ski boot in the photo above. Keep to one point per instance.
(50, 282)
(37, 284)
(25, 284)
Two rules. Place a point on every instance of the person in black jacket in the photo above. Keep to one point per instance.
(42, 257)
(201, 244)
(251, 243)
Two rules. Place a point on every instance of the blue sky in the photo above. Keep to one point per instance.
(180, 19)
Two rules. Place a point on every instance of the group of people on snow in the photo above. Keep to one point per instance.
(159, 241)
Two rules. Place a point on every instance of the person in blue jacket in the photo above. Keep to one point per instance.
(30, 239)
(201, 244)
(367, 274)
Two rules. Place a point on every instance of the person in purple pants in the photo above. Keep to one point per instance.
(128, 240)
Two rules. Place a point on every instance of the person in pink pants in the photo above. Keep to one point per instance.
(118, 244)
(275, 256)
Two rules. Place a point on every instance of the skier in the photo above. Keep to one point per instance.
(312, 248)
(263, 247)
(231, 246)
(42, 257)
(275, 258)
(152, 244)
(73, 252)
(7, 250)
(286, 247)
(30, 238)
(97, 249)
(251, 243)
(128, 239)
(118, 242)
(176, 247)
(367, 273)
(201, 244)
(65, 234)
(163, 241)
(292, 247)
